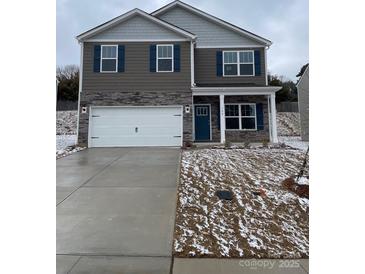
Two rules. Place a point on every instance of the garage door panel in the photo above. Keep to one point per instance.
(150, 131)
(115, 111)
(142, 131)
(113, 131)
(135, 126)
(141, 121)
(115, 141)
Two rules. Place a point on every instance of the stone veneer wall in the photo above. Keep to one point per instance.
(236, 135)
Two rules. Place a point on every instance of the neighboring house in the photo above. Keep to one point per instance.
(303, 101)
(172, 77)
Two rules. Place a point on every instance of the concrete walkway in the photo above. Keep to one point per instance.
(116, 210)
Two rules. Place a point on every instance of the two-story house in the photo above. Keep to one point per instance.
(173, 76)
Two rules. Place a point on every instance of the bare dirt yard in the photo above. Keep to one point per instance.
(66, 122)
(288, 123)
(273, 224)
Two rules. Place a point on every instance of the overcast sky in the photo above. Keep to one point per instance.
(284, 22)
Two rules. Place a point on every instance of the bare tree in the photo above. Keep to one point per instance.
(68, 82)
(67, 72)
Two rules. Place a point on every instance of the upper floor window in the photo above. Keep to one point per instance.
(238, 63)
(165, 57)
(109, 58)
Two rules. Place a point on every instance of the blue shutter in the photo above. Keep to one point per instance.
(219, 119)
(121, 58)
(152, 58)
(219, 61)
(260, 116)
(177, 58)
(257, 63)
(97, 52)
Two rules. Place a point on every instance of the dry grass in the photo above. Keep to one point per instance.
(66, 122)
(288, 123)
(272, 225)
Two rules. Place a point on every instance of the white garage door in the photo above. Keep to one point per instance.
(135, 126)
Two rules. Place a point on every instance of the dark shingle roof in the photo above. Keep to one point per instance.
(302, 70)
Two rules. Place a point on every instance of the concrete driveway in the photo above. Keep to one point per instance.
(116, 210)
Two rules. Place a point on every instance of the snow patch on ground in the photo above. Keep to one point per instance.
(288, 123)
(66, 138)
(66, 122)
(274, 225)
(66, 145)
(68, 151)
(303, 181)
(63, 141)
(294, 142)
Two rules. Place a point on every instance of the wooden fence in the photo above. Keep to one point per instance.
(287, 107)
(67, 105)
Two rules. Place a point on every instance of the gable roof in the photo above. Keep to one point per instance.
(128, 15)
(212, 18)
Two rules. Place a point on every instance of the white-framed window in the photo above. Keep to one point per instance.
(241, 116)
(109, 58)
(165, 58)
(238, 63)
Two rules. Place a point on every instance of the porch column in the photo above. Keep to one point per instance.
(273, 118)
(222, 118)
(269, 114)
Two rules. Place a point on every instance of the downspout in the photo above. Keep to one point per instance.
(80, 88)
(192, 65)
(265, 53)
(192, 77)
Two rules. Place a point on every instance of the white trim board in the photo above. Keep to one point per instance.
(205, 91)
(128, 15)
(231, 47)
(192, 68)
(212, 18)
(265, 52)
(269, 114)
(134, 40)
(80, 89)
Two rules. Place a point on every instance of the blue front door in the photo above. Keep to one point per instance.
(202, 122)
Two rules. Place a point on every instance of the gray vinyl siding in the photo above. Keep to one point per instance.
(208, 32)
(137, 28)
(206, 69)
(303, 102)
(137, 75)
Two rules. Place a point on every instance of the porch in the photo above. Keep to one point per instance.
(234, 114)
